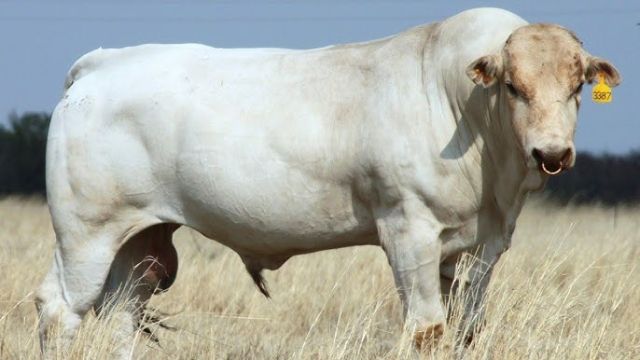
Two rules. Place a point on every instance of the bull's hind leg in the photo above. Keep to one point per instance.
(146, 264)
(80, 266)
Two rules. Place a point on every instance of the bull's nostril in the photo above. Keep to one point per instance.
(566, 157)
(538, 155)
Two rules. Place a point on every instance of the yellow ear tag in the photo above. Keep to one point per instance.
(601, 93)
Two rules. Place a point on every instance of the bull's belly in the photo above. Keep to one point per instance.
(262, 207)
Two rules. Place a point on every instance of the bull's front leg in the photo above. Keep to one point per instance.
(477, 282)
(471, 282)
(410, 237)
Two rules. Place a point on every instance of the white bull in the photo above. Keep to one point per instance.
(276, 153)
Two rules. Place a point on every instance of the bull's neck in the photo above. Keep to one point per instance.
(503, 177)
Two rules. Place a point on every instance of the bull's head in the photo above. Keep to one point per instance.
(540, 73)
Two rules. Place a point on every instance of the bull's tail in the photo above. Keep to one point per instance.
(86, 64)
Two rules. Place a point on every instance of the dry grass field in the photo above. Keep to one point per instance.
(569, 288)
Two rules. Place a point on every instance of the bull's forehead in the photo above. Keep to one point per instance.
(543, 54)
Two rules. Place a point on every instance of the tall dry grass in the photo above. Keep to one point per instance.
(568, 289)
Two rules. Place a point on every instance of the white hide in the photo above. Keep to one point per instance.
(277, 152)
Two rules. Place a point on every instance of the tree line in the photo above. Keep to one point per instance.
(604, 179)
(22, 154)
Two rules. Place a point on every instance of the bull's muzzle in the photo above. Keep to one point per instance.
(553, 162)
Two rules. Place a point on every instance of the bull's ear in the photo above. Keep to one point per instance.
(486, 70)
(596, 65)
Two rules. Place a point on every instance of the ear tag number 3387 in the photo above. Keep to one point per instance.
(601, 93)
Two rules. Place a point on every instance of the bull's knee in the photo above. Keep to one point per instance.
(427, 337)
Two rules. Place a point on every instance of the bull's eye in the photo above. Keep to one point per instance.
(577, 90)
(511, 88)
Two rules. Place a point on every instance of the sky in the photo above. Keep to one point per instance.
(40, 39)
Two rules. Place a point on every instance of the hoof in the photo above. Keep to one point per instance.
(425, 339)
